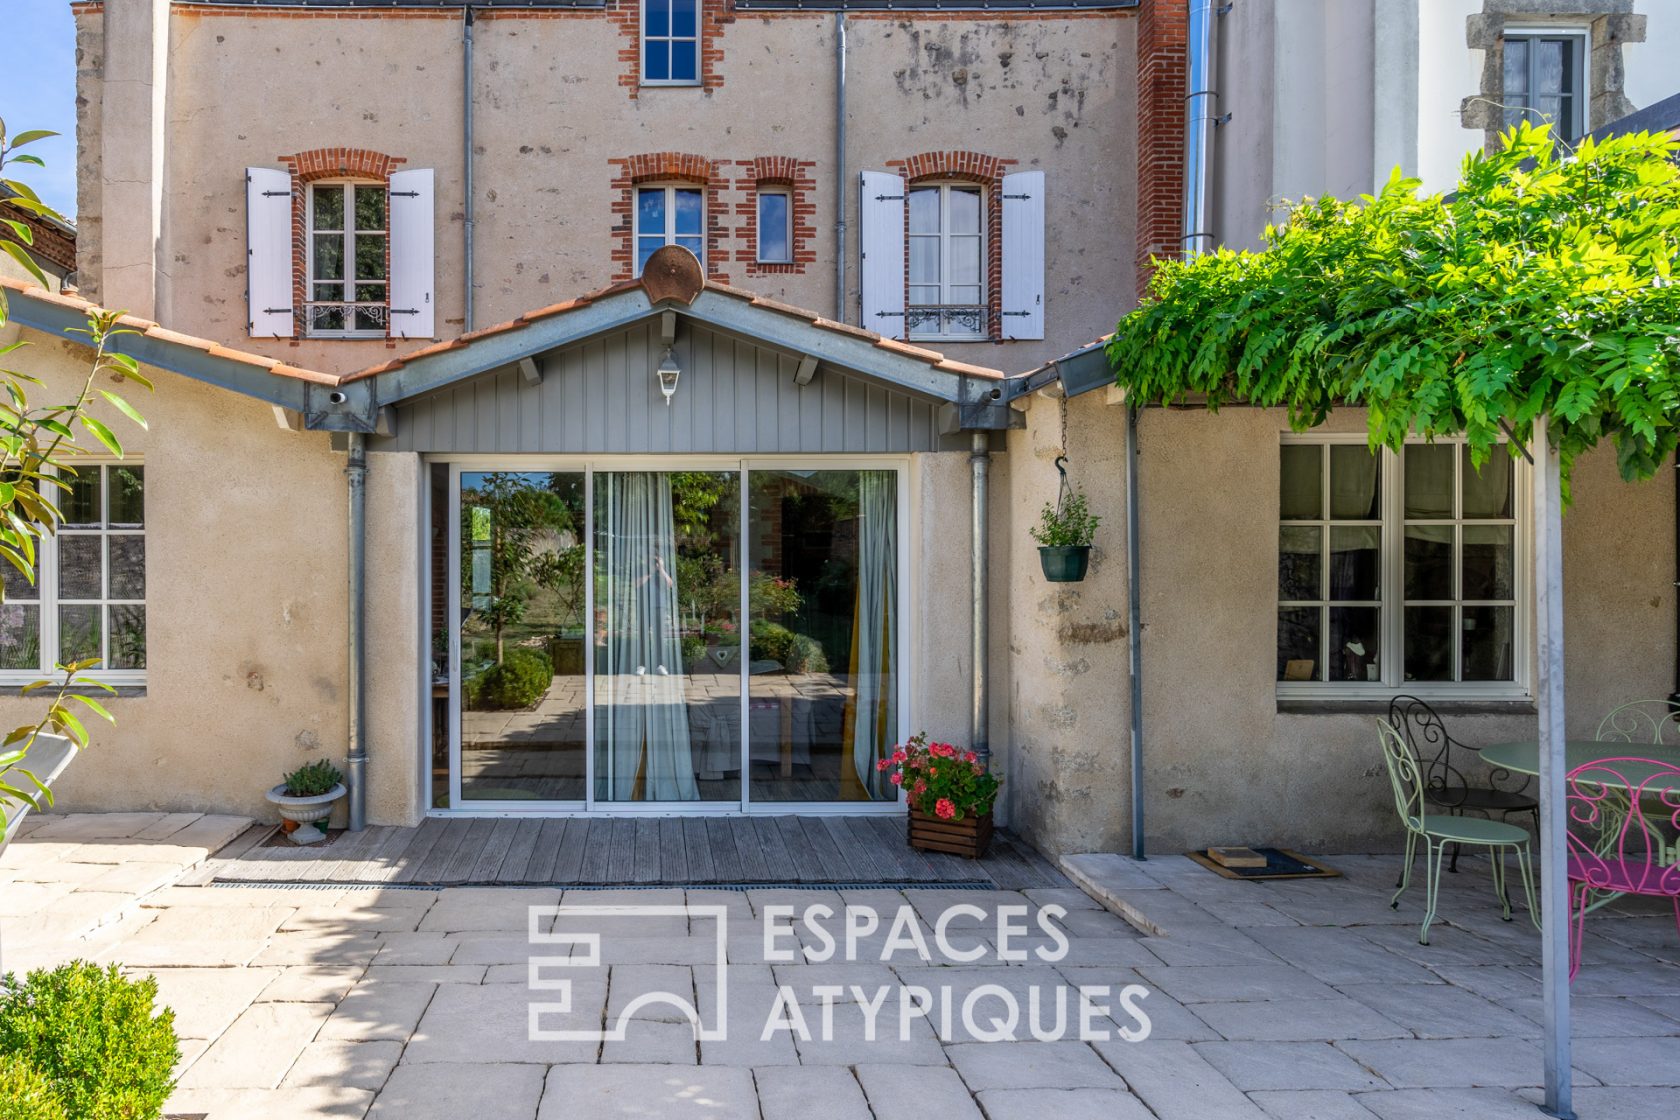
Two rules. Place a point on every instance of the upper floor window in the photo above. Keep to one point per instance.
(948, 297)
(1398, 571)
(89, 597)
(348, 291)
(671, 42)
(669, 215)
(775, 225)
(1545, 80)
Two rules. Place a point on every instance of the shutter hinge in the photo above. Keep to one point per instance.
(1022, 197)
(889, 314)
(889, 198)
(277, 194)
(1023, 314)
(404, 194)
(404, 311)
(277, 311)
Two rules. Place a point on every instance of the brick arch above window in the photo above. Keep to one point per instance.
(629, 172)
(798, 178)
(966, 167)
(324, 165)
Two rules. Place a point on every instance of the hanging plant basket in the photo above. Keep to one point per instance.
(1064, 532)
(1066, 564)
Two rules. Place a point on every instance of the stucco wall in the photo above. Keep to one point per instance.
(244, 89)
(1223, 764)
(245, 603)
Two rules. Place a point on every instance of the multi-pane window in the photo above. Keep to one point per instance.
(89, 598)
(348, 292)
(669, 215)
(947, 262)
(671, 41)
(775, 225)
(1397, 570)
(1544, 81)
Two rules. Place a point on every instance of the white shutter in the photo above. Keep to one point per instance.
(881, 239)
(412, 233)
(268, 252)
(1023, 255)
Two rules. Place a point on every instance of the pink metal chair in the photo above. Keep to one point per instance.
(1624, 816)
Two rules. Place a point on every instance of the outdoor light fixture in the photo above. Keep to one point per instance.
(668, 372)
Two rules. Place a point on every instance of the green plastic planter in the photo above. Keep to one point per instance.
(1066, 564)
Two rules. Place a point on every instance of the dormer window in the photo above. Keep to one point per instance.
(348, 291)
(671, 42)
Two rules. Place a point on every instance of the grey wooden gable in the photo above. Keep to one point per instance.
(599, 396)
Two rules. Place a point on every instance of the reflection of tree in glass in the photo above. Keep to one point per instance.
(522, 519)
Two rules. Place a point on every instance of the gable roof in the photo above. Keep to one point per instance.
(351, 401)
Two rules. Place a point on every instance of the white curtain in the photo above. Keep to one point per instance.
(641, 707)
(874, 644)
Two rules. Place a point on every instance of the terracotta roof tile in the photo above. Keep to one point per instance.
(844, 328)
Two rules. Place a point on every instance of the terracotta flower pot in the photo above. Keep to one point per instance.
(968, 837)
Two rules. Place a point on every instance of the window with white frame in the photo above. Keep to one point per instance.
(89, 597)
(1398, 570)
(775, 225)
(671, 42)
(673, 214)
(1545, 80)
(947, 262)
(348, 290)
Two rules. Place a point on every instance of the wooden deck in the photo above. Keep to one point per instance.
(665, 851)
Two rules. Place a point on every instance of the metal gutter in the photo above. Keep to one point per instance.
(356, 761)
(467, 166)
(840, 191)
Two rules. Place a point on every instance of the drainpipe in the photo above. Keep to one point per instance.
(979, 459)
(1134, 625)
(356, 471)
(1674, 697)
(467, 165)
(841, 194)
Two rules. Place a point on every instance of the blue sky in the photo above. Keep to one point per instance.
(38, 90)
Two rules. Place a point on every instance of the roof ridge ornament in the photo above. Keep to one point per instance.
(673, 274)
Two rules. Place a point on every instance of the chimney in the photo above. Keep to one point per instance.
(130, 154)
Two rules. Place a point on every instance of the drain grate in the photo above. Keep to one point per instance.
(854, 885)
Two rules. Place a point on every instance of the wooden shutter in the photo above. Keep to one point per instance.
(881, 239)
(1023, 255)
(412, 233)
(268, 252)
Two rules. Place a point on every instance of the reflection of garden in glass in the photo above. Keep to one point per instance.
(522, 635)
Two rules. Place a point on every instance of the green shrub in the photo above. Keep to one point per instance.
(521, 678)
(25, 1092)
(92, 1034)
(312, 779)
(771, 641)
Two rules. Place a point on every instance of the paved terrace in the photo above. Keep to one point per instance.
(1306, 1000)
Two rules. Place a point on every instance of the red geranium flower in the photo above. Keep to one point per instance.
(944, 809)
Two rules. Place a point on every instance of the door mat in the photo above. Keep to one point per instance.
(1280, 864)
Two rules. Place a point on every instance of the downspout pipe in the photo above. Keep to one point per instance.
(979, 460)
(1674, 697)
(356, 763)
(1134, 626)
(467, 167)
(841, 191)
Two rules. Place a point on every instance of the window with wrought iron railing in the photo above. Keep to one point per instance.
(349, 291)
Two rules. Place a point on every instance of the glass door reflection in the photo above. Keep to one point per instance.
(522, 636)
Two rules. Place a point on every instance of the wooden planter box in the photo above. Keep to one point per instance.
(968, 837)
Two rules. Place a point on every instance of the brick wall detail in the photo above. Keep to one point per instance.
(1163, 82)
(330, 163)
(629, 172)
(965, 167)
(799, 177)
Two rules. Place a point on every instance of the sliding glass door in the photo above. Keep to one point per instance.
(705, 639)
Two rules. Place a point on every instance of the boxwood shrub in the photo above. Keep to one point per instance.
(25, 1092)
(94, 1036)
(521, 678)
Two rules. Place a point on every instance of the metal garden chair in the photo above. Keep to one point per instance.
(1446, 785)
(1623, 814)
(45, 760)
(1437, 830)
(1642, 721)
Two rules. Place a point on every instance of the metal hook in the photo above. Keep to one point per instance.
(1061, 470)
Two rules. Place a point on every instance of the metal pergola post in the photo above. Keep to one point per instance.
(1554, 885)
